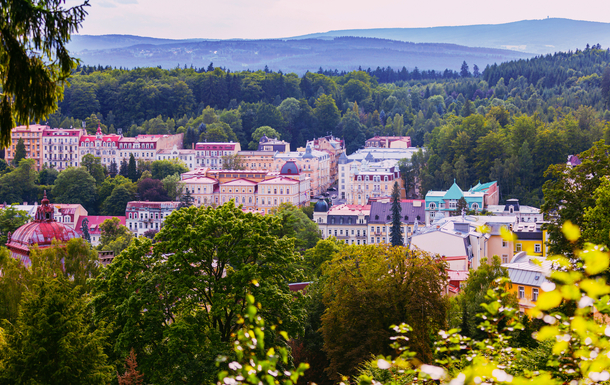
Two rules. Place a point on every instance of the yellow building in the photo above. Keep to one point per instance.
(527, 275)
(242, 191)
(256, 160)
(530, 238)
(204, 190)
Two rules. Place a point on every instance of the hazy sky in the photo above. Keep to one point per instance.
(251, 19)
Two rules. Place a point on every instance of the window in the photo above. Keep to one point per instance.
(537, 248)
(504, 243)
(535, 294)
(518, 247)
(504, 258)
(521, 292)
(475, 206)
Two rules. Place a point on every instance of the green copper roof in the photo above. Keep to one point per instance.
(454, 192)
(482, 187)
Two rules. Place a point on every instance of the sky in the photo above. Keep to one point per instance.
(257, 19)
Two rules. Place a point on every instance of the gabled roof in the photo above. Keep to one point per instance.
(454, 192)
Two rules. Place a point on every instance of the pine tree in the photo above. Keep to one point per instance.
(186, 200)
(132, 170)
(395, 233)
(124, 170)
(19, 152)
(113, 169)
(131, 376)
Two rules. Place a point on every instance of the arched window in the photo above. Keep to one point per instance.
(475, 206)
(432, 206)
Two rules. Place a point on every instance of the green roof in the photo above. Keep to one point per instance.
(482, 187)
(454, 192)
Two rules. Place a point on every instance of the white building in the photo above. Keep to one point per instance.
(189, 157)
(512, 208)
(144, 216)
(361, 179)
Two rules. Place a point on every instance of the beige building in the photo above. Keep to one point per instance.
(334, 147)
(32, 139)
(203, 189)
(360, 181)
(257, 160)
(189, 157)
(60, 147)
(145, 147)
(344, 222)
(243, 191)
(312, 163)
(210, 154)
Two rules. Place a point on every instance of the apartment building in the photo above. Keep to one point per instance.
(144, 216)
(334, 147)
(527, 275)
(101, 146)
(242, 191)
(312, 163)
(478, 198)
(348, 223)
(32, 139)
(273, 145)
(210, 154)
(145, 147)
(203, 189)
(361, 180)
(381, 218)
(60, 147)
(188, 156)
(388, 142)
(257, 160)
(522, 213)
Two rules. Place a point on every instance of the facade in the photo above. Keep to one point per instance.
(105, 147)
(527, 274)
(242, 191)
(145, 147)
(94, 223)
(477, 199)
(144, 216)
(521, 213)
(380, 221)
(388, 142)
(313, 163)
(205, 190)
(41, 233)
(69, 213)
(530, 238)
(189, 157)
(273, 145)
(360, 181)
(257, 160)
(60, 147)
(32, 138)
(210, 154)
(334, 147)
(344, 222)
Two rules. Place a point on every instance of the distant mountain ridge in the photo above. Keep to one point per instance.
(435, 48)
(533, 36)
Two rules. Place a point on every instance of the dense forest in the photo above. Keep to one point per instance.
(508, 122)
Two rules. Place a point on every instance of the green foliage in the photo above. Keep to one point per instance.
(19, 152)
(295, 224)
(173, 186)
(32, 84)
(368, 289)
(116, 203)
(254, 363)
(164, 168)
(316, 257)
(188, 289)
(94, 168)
(396, 236)
(596, 219)
(76, 186)
(259, 133)
(10, 220)
(53, 341)
(114, 236)
(19, 185)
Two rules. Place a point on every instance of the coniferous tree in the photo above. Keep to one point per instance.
(187, 199)
(113, 170)
(124, 169)
(395, 234)
(19, 152)
(132, 170)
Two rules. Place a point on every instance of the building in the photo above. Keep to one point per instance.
(32, 139)
(60, 147)
(361, 180)
(477, 199)
(145, 147)
(242, 191)
(334, 147)
(512, 208)
(388, 142)
(69, 213)
(380, 221)
(527, 275)
(313, 163)
(103, 146)
(42, 232)
(204, 190)
(211, 154)
(188, 156)
(273, 145)
(344, 222)
(257, 160)
(93, 224)
(289, 187)
(530, 238)
(144, 216)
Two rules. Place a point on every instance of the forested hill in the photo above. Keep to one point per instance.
(535, 36)
(508, 123)
(299, 56)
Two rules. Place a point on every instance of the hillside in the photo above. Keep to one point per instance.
(534, 36)
(298, 56)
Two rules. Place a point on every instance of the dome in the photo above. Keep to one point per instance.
(42, 231)
(289, 168)
(321, 206)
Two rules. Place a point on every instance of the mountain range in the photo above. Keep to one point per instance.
(435, 48)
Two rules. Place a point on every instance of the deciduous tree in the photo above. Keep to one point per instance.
(76, 185)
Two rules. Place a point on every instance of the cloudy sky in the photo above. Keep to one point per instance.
(251, 19)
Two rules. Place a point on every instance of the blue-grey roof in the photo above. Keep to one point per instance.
(382, 212)
(321, 206)
(289, 168)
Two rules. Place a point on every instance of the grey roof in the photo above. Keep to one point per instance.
(382, 212)
(321, 206)
(525, 270)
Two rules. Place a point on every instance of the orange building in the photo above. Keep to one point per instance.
(32, 138)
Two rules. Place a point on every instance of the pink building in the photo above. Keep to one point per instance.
(94, 223)
(101, 146)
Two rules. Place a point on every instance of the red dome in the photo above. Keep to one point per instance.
(41, 233)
